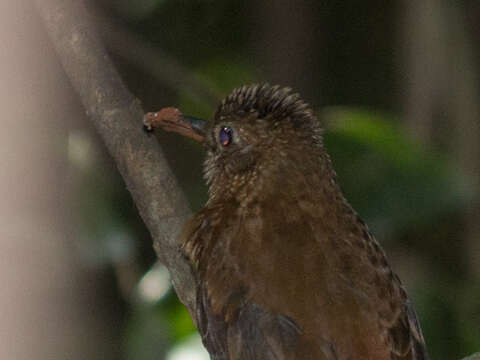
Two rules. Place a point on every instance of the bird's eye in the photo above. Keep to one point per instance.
(225, 135)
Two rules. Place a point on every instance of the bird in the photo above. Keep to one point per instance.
(285, 268)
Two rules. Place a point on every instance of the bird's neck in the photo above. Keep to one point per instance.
(286, 176)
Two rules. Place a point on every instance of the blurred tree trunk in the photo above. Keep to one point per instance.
(46, 308)
(441, 92)
(283, 37)
(423, 42)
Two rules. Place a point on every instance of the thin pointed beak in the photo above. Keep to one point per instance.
(197, 125)
(171, 119)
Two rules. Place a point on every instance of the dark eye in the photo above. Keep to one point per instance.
(225, 136)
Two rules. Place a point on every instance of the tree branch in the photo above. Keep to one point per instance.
(117, 117)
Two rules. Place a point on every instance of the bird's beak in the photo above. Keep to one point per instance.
(197, 125)
(171, 119)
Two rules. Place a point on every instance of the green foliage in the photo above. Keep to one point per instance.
(473, 357)
(147, 336)
(390, 180)
(178, 317)
(223, 74)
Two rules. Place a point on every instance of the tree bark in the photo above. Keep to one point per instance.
(117, 116)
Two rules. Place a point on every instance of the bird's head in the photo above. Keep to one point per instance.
(256, 129)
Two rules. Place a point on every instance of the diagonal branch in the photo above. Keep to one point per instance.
(117, 116)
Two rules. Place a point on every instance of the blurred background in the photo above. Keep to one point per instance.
(396, 84)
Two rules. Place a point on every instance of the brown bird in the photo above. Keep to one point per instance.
(286, 268)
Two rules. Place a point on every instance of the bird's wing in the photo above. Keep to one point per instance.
(259, 334)
(255, 333)
(252, 333)
(405, 336)
(418, 343)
